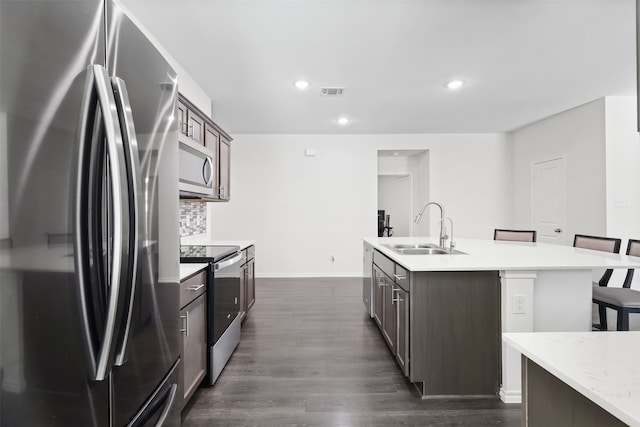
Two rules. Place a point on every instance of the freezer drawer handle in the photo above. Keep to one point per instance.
(196, 288)
(167, 408)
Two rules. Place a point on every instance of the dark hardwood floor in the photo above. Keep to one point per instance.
(310, 356)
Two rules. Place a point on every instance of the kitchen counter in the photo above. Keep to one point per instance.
(602, 366)
(543, 287)
(501, 255)
(202, 239)
(187, 270)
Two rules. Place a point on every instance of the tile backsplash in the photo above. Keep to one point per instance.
(193, 218)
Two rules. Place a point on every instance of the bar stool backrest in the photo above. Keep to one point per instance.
(514, 235)
(598, 243)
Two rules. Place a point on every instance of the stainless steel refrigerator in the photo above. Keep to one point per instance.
(89, 332)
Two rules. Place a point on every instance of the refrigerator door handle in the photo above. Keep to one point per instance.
(120, 231)
(134, 177)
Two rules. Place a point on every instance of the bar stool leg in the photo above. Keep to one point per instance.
(623, 320)
(602, 311)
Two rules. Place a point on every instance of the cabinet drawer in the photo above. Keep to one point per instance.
(384, 263)
(402, 277)
(193, 287)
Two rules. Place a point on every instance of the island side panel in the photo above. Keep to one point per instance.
(549, 402)
(455, 332)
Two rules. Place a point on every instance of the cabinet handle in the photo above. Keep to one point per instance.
(187, 324)
(235, 300)
(228, 316)
(398, 277)
(395, 291)
(197, 288)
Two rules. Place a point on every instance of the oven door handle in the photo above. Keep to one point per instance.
(227, 262)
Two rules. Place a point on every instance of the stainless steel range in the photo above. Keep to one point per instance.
(223, 301)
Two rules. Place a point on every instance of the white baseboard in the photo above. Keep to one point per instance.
(303, 275)
(510, 396)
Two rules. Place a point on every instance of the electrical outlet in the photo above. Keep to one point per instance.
(519, 304)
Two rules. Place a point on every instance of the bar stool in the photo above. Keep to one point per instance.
(623, 300)
(514, 235)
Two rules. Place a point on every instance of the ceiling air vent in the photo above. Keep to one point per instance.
(331, 91)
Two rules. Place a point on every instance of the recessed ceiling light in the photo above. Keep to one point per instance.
(455, 84)
(396, 154)
(302, 84)
(343, 121)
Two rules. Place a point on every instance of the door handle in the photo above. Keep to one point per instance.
(558, 230)
(118, 181)
(132, 157)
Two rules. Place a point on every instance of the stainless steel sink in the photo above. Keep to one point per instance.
(420, 249)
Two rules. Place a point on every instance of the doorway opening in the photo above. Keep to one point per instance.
(403, 186)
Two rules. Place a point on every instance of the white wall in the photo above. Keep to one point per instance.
(186, 84)
(302, 210)
(623, 172)
(579, 135)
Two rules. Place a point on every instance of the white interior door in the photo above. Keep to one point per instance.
(549, 200)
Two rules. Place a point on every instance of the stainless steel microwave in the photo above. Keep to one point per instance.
(196, 170)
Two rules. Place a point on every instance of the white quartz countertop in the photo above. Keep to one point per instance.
(603, 366)
(187, 269)
(201, 239)
(502, 255)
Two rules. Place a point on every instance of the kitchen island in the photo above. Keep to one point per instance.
(541, 288)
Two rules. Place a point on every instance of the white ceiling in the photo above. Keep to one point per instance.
(523, 60)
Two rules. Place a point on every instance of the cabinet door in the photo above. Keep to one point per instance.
(194, 346)
(243, 291)
(251, 284)
(389, 318)
(224, 168)
(378, 295)
(182, 118)
(195, 127)
(402, 328)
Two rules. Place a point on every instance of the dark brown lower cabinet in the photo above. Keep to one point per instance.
(193, 351)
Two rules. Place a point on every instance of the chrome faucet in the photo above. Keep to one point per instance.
(452, 244)
(443, 233)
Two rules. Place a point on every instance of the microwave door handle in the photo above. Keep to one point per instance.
(132, 156)
(207, 179)
(120, 232)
